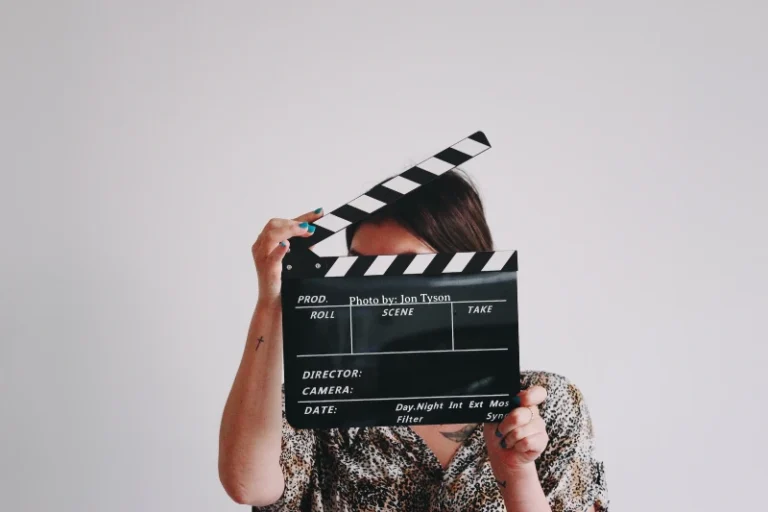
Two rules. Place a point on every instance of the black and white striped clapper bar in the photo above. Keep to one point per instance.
(398, 339)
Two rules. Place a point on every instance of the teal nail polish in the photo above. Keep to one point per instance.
(503, 443)
(311, 229)
(318, 210)
(282, 243)
(515, 401)
(304, 224)
(498, 434)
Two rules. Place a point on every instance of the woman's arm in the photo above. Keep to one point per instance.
(250, 435)
(522, 491)
(250, 438)
(513, 447)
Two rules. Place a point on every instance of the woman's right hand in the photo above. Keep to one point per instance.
(270, 247)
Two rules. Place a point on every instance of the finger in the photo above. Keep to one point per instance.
(536, 426)
(517, 418)
(278, 230)
(534, 395)
(278, 252)
(536, 443)
(310, 216)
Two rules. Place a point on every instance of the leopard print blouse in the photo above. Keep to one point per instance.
(392, 469)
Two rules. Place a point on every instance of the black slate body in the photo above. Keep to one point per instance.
(422, 348)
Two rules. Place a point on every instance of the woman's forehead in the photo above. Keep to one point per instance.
(386, 237)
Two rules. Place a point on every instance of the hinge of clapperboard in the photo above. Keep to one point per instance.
(302, 262)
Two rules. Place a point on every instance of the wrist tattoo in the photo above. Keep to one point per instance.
(502, 483)
(461, 435)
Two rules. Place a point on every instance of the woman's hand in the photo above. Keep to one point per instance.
(521, 436)
(270, 247)
(513, 447)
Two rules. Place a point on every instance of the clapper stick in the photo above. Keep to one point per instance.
(398, 339)
(302, 261)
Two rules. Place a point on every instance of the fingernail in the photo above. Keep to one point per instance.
(282, 243)
(318, 210)
(311, 229)
(503, 443)
(304, 224)
(498, 434)
(515, 401)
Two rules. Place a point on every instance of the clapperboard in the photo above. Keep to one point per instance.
(398, 339)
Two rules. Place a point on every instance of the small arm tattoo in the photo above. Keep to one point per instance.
(260, 341)
(461, 435)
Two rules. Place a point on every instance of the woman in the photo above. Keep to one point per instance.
(538, 458)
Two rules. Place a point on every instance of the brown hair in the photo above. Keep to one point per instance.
(446, 213)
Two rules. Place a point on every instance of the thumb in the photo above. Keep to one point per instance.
(534, 395)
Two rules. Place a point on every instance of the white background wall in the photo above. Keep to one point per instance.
(144, 145)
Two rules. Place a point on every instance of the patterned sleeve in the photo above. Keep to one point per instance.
(297, 458)
(570, 473)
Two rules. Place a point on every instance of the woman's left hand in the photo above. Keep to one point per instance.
(518, 440)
